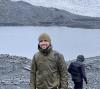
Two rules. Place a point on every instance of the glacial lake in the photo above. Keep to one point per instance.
(23, 40)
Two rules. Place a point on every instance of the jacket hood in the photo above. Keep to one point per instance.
(80, 58)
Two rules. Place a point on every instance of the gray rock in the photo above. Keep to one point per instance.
(15, 72)
(24, 14)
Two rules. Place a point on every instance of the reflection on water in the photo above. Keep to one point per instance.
(22, 41)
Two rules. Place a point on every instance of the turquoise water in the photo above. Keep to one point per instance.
(22, 41)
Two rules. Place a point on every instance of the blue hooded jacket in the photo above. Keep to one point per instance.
(77, 70)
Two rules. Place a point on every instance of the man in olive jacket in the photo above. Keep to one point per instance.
(48, 69)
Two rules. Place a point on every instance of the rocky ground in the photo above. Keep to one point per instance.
(15, 72)
(21, 13)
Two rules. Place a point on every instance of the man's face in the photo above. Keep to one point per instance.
(44, 44)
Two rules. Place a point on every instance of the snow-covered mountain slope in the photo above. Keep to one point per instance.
(81, 7)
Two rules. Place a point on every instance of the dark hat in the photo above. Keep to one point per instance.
(44, 36)
(81, 57)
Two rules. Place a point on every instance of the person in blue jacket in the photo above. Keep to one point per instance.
(77, 71)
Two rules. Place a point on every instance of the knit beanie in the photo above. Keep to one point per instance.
(44, 36)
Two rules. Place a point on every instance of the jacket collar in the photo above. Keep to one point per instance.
(46, 51)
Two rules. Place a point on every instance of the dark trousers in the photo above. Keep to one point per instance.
(78, 85)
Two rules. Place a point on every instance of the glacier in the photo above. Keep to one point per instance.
(80, 7)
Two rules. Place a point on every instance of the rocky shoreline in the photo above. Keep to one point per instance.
(15, 72)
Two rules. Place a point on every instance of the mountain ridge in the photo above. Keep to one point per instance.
(81, 7)
(24, 14)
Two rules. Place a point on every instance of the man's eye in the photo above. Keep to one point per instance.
(41, 41)
(45, 40)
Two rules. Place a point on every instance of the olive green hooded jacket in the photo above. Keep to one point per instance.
(48, 71)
